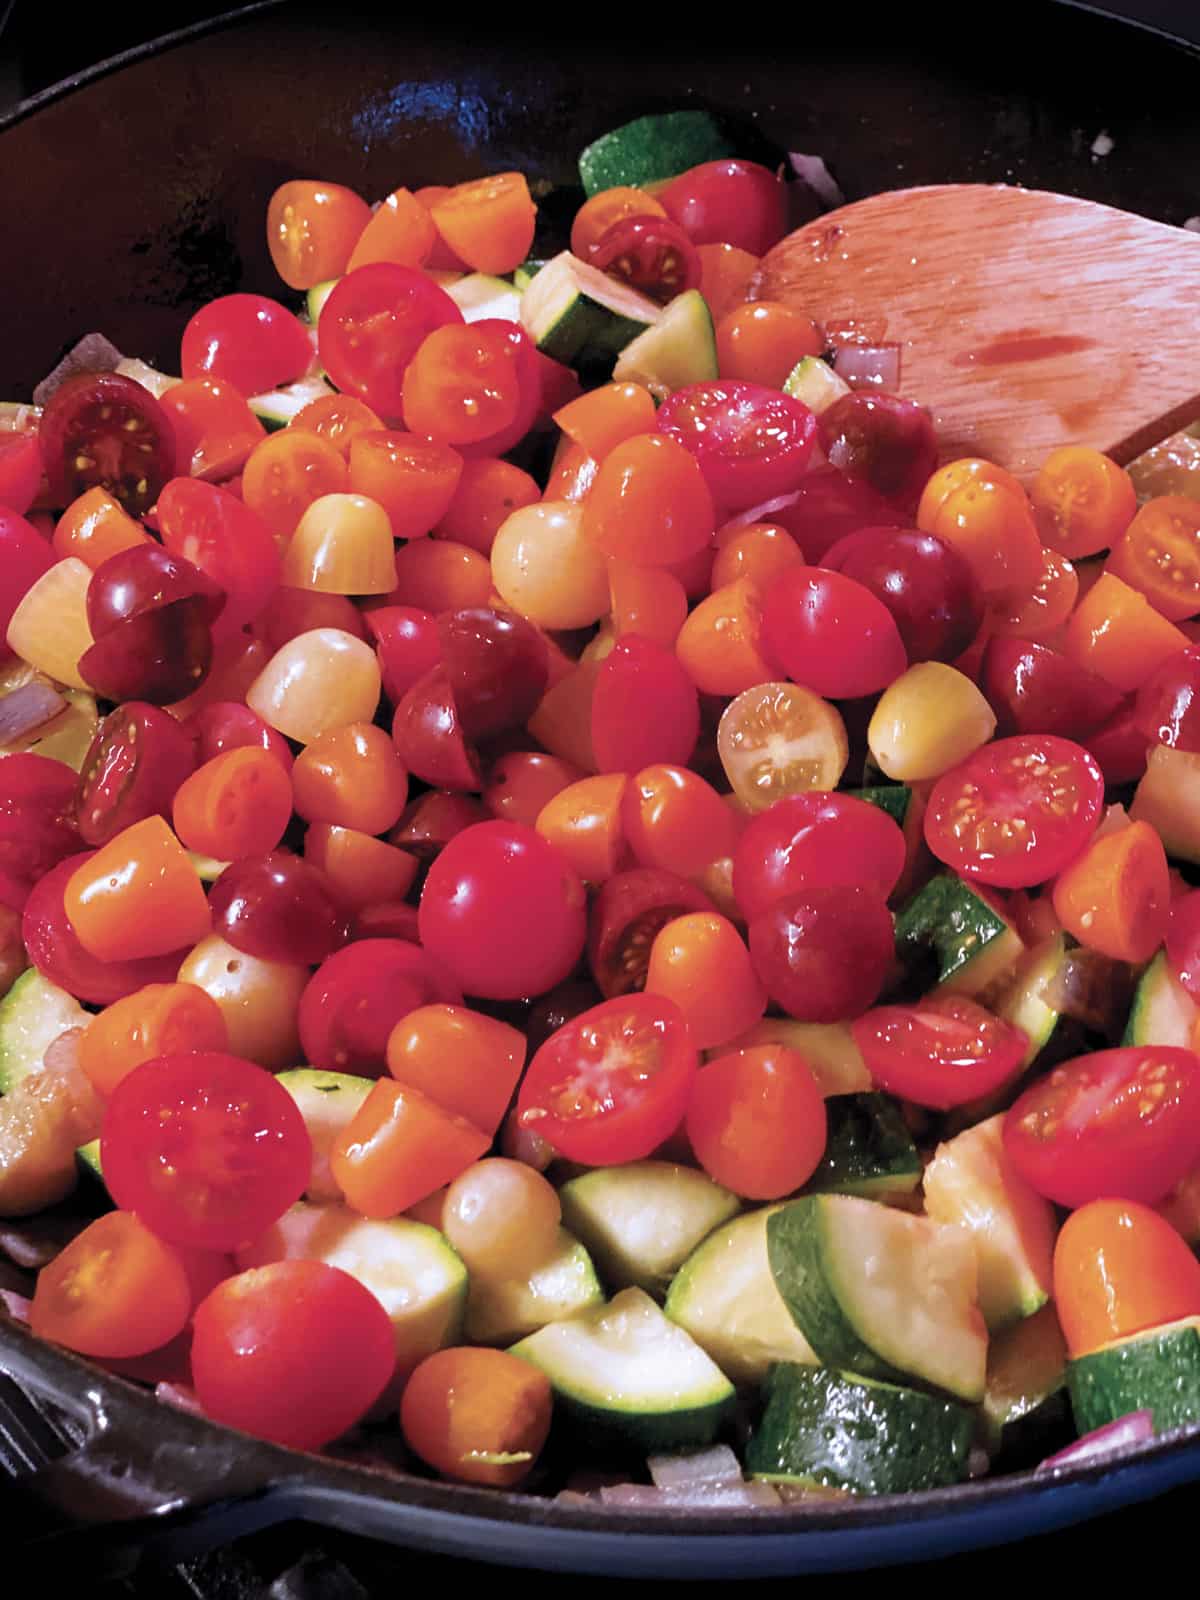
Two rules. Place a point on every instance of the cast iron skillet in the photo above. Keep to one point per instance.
(134, 192)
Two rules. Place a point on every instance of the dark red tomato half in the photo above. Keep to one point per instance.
(1183, 941)
(933, 596)
(101, 428)
(831, 634)
(160, 655)
(356, 997)
(407, 646)
(1014, 813)
(627, 915)
(651, 254)
(1122, 1124)
(217, 532)
(729, 202)
(751, 442)
(144, 578)
(207, 1148)
(613, 1083)
(252, 342)
(1033, 689)
(1119, 746)
(428, 734)
(815, 840)
(823, 954)
(20, 469)
(278, 907)
(827, 505)
(371, 326)
(944, 1051)
(1168, 703)
(496, 664)
(137, 760)
(36, 825)
(645, 708)
(887, 440)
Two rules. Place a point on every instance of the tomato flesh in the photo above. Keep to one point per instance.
(942, 1052)
(751, 442)
(100, 428)
(651, 254)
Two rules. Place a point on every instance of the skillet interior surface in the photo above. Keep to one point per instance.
(139, 190)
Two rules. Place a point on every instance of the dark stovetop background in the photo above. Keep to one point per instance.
(38, 46)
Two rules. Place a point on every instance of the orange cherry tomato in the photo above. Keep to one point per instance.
(362, 870)
(464, 1061)
(488, 222)
(162, 1019)
(238, 804)
(605, 417)
(489, 490)
(983, 511)
(759, 551)
(94, 527)
(674, 819)
(1083, 501)
(139, 895)
(296, 611)
(439, 575)
(1159, 555)
(353, 777)
(563, 720)
(215, 429)
(1116, 632)
(476, 1415)
(400, 230)
(116, 1290)
(311, 230)
(463, 384)
(598, 213)
(399, 1147)
(441, 258)
(338, 419)
(756, 1121)
(1036, 613)
(694, 572)
(725, 273)
(720, 644)
(1119, 1268)
(646, 600)
(572, 472)
(649, 504)
(520, 783)
(701, 962)
(764, 340)
(1115, 896)
(286, 472)
(584, 823)
(412, 478)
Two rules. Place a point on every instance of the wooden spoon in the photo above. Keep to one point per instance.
(1025, 320)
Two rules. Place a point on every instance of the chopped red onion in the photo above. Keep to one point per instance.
(62, 1053)
(812, 171)
(1135, 1428)
(33, 1244)
(93, 353)
(17, 1306)
(1092, 988)
(716, 1465)
(180, 1397)
(699, 1496)
(521, 1144)
(763, 512)
(869, 366)
(27, 708)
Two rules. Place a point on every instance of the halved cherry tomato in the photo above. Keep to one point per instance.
(399, 1147)
(438, 575)
(215, 429)
(1122, 1124)
(357, 996)
(1119, 1268)
(756, 1121)
(606, 416)
(162, 1019)
(413, 478)
(467, 1062)
(645, 708)
(237, 804)
(207, 1148)
(338, 419)
(1083, 501)
(584, 824)
(646, 600)
(371, 326)
(286, 472)
(216, 532)
(751, 442)
(824, 953)
(649, 503)
(351, 776)
(1116, 632)
(1037, 613)
(252, 341)
(100, 428)
(651, 254)
(427, 731)
(406, 644)
(831, 634)
(311, 230)
(613, 1083)
(674, 819)
(777, 739)
(925, 583)
(1016, 811)
(1183, 941)
(400, 230)
(1168, 704)
(488, 492)
(885, 439)
(36, 825)
(1033, 689)
(20, 469)
(228, 725)
(944, 1051)
(598, 213)
(700, 961)
(1159, 555)
(521, 782)
(94, 527)
(462, 384)
(729, 202)
(139, 895)
(1115, 896)
(983, 511)
(477, 1416)
(626, 917)
(815, 840)
(488, 222)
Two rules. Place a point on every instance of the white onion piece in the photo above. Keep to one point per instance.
(869, 366)
(717, 1465)
(179, 1396)
(700, 1496)
(1135, 1428)
(763, 512)
(17, 1306)
(28, 708)
(812, 171)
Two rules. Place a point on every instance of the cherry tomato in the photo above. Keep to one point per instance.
(613, 1083)
(651, 254)
(645, 709)
(598, 213)
(930, 590)
(943, 1051)
(1016, 811)
(207, 1148)
(215, 429)
(472, 385)
(351, 776)
(674, 819)
(777, 739)
(729, 202)
(831, 634)
(1033, 689)
(427, 732)
(358, 995)
(370, 329)
(488, 222)
(628, 913)
(160, 655)
(1083, 501)
(502, 912)
(521, 782)
(886, 440)
(496, 665)
(254, 343)
(1037, 613)
(1159, 555)
(827, 505)
(1183, 941)
(238, 804)
(213, 530)
(407, 645)
(756, 1121)
(1168, 703)
(1120, 1268)
(466, 1062)
(701, 963)
(815, 840)
(649, 503)
(751, 442)
(257, 1336)
(142, 579)
(230, 725)
(823, 954)
(277, 907)
(477, 1416)
(1123, 1124)
(138, 895)
(24, 558)
(20, 470)
(103, 428)
(311, 230)
(160, 1020)
(137, 760)
(433, 819)
(37, 828)
(1119, 747)
(764, 341)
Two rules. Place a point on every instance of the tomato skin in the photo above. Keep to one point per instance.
(924, 582)
(1183, 941)
(358, 995)
(102, 420)
(312, 229)
(701, 962)
(1120, 1268)
(231, 725)
(215, 429)
(1167, 709)
(626, 916)
(886, 440)
(1009, 782)
(756, 1121)
(37, 829)
(613, 1083)
(943, 1051)
(371, 327)
(20, 470)
(823, 954)
(427, 731)
(466, 1062)
(503, 912)
(828, 505)
(729, 202)
(1122, 1124)
(213, 530)
(831, 634)
(815, 840)
(161, 1019)
(229, 1157)
(651, 254)
(462, 1408)
(406, 644)
(257, 1335)
(1033, 689)
(645, 709)
(139, 895)
(24, 557)
(751, 442)
(253, 342)
(674, 819)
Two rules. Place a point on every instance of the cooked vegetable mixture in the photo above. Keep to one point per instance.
(566, 886)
